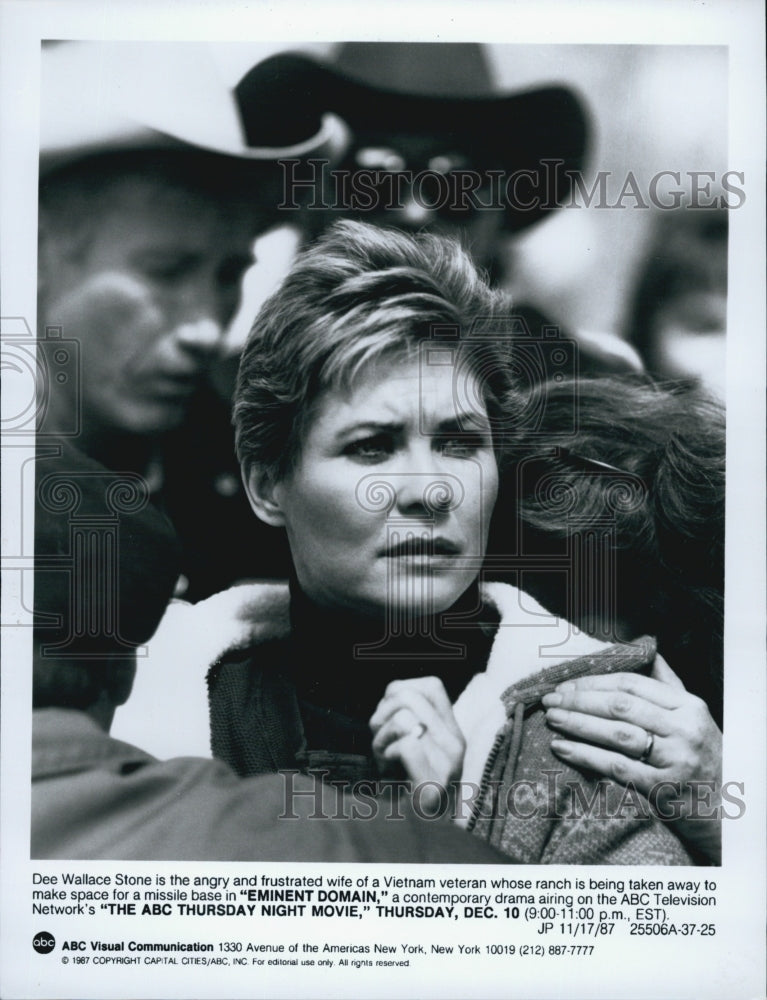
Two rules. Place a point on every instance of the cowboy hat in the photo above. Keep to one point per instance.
(99, 97)
(445, 89)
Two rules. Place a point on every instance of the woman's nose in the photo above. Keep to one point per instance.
(427, 494)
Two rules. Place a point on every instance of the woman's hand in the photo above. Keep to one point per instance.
(650, 732)
(414, 725)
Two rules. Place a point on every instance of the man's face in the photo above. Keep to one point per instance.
(147, 293)
(438, 206)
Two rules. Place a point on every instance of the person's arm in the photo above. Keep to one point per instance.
(650, 732)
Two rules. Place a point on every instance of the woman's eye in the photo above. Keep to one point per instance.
(370, 449)
(461, 445)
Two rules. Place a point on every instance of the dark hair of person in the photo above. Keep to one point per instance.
(625, 481)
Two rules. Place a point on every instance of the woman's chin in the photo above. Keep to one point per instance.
(409, 594)
(429, 599)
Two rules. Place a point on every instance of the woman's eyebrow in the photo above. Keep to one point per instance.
(469, 420)
(464, 421)
(366, 426)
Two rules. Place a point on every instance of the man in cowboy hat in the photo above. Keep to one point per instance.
(433, 145)
(151, 194)
(440, 145)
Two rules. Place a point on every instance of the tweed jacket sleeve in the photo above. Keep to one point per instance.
(538, 810)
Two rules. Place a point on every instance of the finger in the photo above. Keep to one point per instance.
(427, 755)
(661, 671)
(607, 762)
(646, 688)
(431, 688)
(418, 703)
(614, 705)
(622, 736)
(391, 703)
(422, 760)
(402, 723)
(411, 748)
(420, 721)
(385, 709)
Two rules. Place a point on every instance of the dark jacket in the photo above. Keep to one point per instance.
(94, 797)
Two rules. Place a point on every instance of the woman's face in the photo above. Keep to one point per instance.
(390, 502)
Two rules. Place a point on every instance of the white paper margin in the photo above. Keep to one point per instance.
(732, 963)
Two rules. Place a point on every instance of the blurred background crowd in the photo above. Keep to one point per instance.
(631, 140)
(656, 277)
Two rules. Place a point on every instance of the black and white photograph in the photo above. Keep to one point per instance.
(383, 449)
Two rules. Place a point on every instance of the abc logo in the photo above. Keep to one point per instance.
(43, 943)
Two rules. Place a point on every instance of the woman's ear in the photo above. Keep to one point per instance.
(260, 488)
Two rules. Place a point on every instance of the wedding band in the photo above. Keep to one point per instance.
(645, 754)
(419, 730)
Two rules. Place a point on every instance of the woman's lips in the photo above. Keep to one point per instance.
(421, 548)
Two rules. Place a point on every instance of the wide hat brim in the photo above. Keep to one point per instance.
(104, 97)
(543, 131)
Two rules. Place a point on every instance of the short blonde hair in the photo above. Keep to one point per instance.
(357, 295)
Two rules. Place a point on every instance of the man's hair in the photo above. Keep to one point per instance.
(358, 295)
(656, 508)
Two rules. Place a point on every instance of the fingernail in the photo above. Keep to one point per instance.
(554, 698)
(555, 716)
(560, 747)
(565, 686)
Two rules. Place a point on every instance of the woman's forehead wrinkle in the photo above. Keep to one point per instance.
(442, 399)
(399, 397)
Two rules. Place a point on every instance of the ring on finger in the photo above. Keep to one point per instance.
(645, 754)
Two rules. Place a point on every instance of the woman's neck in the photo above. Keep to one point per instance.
(344, 661)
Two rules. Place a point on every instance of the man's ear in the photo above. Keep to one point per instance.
(261, 490)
